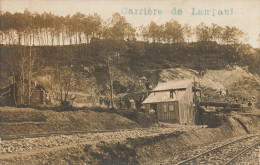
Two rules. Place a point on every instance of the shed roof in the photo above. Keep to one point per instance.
(173, 85)
(160, 95)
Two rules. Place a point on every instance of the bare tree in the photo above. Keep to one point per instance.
(110, 84)
(66, 82)
(24, 66)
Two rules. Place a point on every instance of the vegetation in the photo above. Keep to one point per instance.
(73, 48)
(48, 29)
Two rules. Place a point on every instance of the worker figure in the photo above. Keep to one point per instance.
(249, 103)
(202, 73)
(101, 101)
(244, 99)
(220, 92)
(132, 105)
(127, 103)
(107, 102)
(138, 103)
(171, 93)
(227, 92)
(120, 103)
(147, 85)
(152, 114)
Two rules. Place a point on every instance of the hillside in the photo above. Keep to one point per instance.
(238, 81)
(134, 63)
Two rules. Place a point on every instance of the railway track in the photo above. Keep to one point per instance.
(225, 154)
(21, 136)
(47, 134)
(235, 160)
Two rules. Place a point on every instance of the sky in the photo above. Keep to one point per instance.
(244, 14)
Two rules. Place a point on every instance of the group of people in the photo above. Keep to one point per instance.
(105, 101)
(130, 103)
(249, 103)
(244, 100)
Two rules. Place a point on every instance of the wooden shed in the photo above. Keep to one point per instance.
(12, 95)
(172, 102)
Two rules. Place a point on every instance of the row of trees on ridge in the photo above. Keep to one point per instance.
(29, 28)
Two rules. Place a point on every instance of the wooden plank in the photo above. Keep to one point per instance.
(219, 104)
(159, 109)
(167, 109)
(171, 115)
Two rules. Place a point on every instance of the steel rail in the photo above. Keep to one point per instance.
(21, 136)
(219, 147)
(240, 153)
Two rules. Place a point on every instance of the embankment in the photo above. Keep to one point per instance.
(30, 121)
(159, 149)
(154, 149)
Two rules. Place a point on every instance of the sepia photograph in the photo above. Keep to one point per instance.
(129, 82)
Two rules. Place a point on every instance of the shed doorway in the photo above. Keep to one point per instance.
(154, 107)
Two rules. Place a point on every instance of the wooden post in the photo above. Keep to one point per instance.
(29, 77)
(111, 86)
(195, 94)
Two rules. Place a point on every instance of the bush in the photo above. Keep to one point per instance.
(65, 106)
